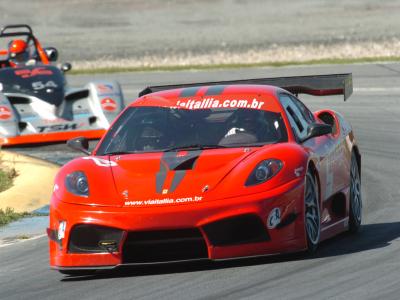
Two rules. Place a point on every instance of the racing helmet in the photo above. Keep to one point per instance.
(17, 47)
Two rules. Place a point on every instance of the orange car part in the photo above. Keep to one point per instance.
(50, 137)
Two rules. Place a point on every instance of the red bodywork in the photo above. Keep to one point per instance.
(211, 203)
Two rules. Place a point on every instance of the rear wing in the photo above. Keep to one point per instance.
(317, 85)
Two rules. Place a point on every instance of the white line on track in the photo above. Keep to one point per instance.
(18, 241)
(377, 89)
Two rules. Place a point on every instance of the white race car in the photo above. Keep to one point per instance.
(37, 106)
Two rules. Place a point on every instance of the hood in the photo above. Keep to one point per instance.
(42, 81)
(164, 178)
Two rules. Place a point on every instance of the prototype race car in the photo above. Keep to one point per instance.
(36, 106)
(211, 171)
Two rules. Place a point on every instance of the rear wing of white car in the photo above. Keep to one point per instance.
(317, 85)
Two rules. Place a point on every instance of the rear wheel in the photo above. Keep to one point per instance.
(355, 209)
(311, 213)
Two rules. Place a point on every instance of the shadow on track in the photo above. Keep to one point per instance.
(372, 236)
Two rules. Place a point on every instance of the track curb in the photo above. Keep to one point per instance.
(32, 187)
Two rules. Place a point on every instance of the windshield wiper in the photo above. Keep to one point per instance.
(194, 147)
(119, 152)
(189, 148)
(259, 144)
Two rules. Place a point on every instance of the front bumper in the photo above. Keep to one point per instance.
(223, 229)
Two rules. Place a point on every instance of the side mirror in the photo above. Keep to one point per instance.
(80, 144)
(52, 53)
(317, 129)
(65, 67)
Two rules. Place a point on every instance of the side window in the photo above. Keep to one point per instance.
(297, 120)
(307, 114)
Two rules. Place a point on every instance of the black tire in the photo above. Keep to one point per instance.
(312, 219)
(355, 201)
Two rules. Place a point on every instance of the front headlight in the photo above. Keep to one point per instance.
(264, 171)
(77, 184)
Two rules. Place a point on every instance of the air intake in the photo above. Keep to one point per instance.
(236, 230)
(164, 246)
(77, 95)
(87, 238)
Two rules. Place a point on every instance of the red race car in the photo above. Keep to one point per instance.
(213, 171)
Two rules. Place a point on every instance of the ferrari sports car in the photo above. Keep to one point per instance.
(36, 106)
(211, 171)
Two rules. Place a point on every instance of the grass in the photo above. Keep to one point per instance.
(23, 237)
(7, 175)
(9, 215)
(235, 65)
(6, 178)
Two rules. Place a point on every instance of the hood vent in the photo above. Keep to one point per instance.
(187, 164)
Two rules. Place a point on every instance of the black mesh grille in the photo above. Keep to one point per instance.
(163, 246)
(242, 229)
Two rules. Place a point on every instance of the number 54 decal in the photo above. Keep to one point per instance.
(39, 85)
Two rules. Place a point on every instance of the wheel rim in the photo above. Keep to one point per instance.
(312, 211)
(355, 191)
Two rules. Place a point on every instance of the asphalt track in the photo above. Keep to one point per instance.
(365, 266)
(132, 29)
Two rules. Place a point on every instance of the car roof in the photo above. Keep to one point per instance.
(232, 95)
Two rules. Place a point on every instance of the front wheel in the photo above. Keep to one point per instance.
(311, 213)
(355, 209)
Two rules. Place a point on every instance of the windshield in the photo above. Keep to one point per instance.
(154, 129)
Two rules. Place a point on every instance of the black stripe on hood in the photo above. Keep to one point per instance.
(179, 164)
